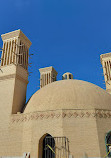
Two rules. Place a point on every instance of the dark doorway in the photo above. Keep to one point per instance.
(48, 147)
(108, 143)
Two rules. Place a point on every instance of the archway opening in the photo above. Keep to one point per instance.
(47, 147)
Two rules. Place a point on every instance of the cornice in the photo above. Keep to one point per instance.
(13, 76)
(22, 79)
(46, 69)
(7, 77)
(105, 55)
(16, 34)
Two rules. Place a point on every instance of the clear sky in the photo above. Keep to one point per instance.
(69, 35)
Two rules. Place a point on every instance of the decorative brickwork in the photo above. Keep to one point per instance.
(61, 113)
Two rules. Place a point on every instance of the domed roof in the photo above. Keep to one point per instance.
(69, 94)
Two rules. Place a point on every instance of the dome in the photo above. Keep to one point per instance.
(69, 94)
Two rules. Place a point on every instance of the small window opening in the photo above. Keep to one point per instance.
(69, 76)
(65, 77)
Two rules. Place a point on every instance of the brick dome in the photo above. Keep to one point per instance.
(69, 94)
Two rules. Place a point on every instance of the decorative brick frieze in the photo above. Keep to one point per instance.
(16, 118)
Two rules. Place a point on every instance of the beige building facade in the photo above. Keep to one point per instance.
(66, 118)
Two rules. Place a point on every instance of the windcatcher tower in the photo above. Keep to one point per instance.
(14, 72)
(47, 75)
(106, 64)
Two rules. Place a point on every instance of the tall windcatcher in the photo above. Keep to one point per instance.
(14, 70)
(15, 49)
(106, 64)
(47, 75)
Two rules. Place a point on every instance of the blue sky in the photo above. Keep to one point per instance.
(69, 35)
